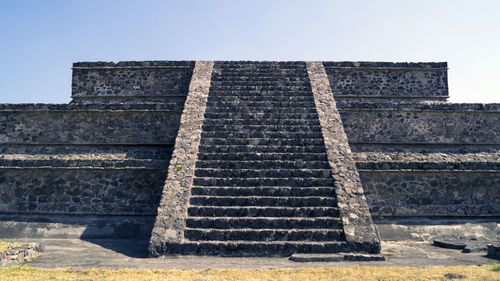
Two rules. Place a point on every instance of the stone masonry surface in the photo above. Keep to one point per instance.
(21, 254)
(172, 210)
(389, 81)
(131, 82)
(262, 183)
(357, 222)
(97, 166)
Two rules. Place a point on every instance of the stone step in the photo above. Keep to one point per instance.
(260, 93)
(249, 76)
(260, 110)
(258, 116)
(266, 128)
(260, 66)
(259, 98)
(267, 135)
(258, 70)
(217, 88)
(252, 82)
(263, 102)
(252, 156)
(194, 234)
(274, 181)
(262, 191)
(262, 141)
(311, 201)
(240, 78)
(260, 148)
(264, 164)
(336, 257)
(252, 248)
(256, 211)
(263, 173)
(260, 122)
(263, 222)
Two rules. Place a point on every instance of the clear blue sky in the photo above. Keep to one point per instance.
(41, 39)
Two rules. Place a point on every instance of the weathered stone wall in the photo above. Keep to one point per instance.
(430, 193)
(426, 159)
(380, 81)
(78, 190)
(146, 81)
(92, 124)
(426, 123)
(92, 159)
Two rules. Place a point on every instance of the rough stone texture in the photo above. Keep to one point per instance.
(99, 159)
(263, 206)
(88, 124)
(494, 251)
(172, 211)
(388, 81)
(432, 192)
(423, 124)
(335, 257)
(416, 155)
(103, 82)
(77, 190)
(19, 255)
(433, 156)
(357, 222)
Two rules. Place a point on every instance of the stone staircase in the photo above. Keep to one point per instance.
(262, 185)
(261, 167)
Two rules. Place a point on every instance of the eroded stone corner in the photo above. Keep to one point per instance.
(172, 210)
(358, 226)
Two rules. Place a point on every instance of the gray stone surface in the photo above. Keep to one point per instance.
(116, 254)
(170, 221)
(494, 251)
(336, 257)
(76, 227)
(432, 192)
(21, 254)
(435, 125)
(108, 152)
(358, 226)
(388, 81)
(103, 191)
(88, 124)
(107, 82)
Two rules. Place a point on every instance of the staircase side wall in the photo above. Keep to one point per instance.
(172, 211)
(357, 222)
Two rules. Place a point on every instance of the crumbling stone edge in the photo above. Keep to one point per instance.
(494, 251)
(172, 210)
(18, 255)
(360, 232)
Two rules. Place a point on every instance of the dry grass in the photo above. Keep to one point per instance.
(356, 273)
(5, 245)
